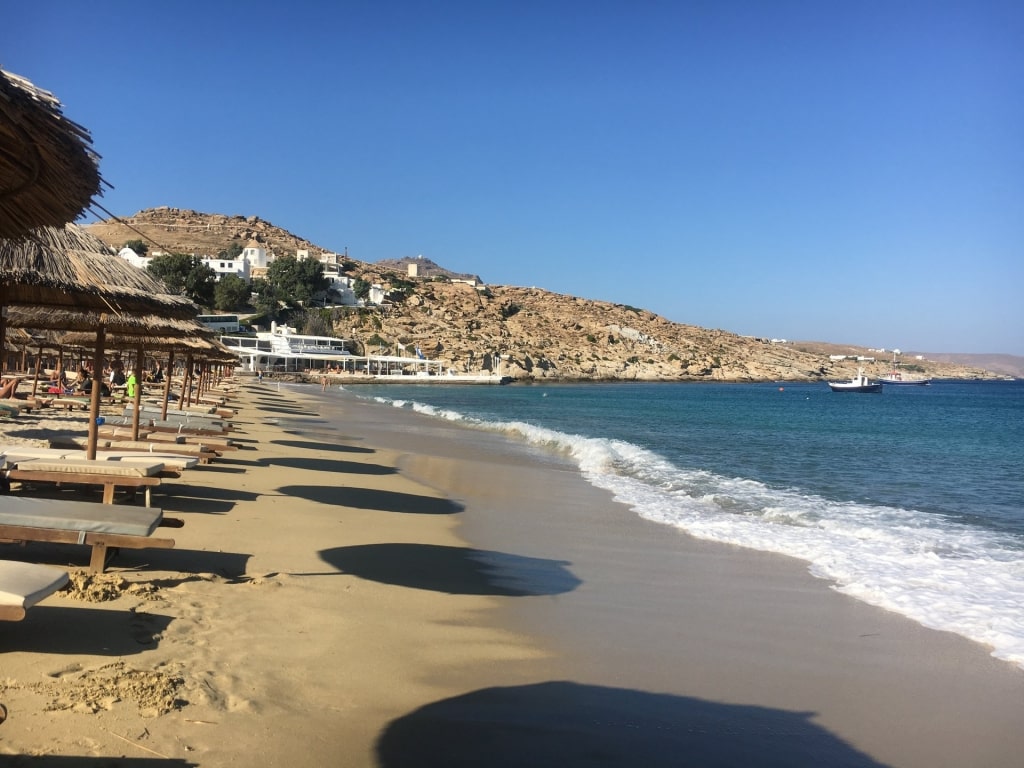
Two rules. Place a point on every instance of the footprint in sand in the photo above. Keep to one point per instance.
(70, 669)
(220, 692)
(142, 628)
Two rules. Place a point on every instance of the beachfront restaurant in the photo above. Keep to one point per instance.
(263, 354)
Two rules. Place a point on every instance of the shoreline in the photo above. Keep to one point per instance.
(336, 379)
(659, 610)
(362, 585)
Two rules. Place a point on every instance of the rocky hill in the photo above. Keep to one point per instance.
(537, 334)
(176, 230)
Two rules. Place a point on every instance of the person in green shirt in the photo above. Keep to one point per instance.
(130, 384)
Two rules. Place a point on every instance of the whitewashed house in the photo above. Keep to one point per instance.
(256, 255)
(129, 255)
(221, 267)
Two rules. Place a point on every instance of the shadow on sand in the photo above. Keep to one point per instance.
(85, 631)
(370, 498)
(332, 465)
(205, 499)
(231, 566)
(309, 446)
(569, 725)
(453, 570)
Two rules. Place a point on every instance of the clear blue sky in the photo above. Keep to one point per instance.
(848, 172)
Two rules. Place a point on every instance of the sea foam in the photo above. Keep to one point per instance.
(940, 572)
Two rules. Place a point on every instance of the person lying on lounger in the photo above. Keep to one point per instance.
(8, 386)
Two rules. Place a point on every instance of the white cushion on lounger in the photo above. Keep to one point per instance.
(16, 453)
(94, 467)
(25, 584)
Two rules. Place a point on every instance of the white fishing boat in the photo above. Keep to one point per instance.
(896, 376)
(859, 383)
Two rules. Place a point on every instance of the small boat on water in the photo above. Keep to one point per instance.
(895, 376)
(859, 383)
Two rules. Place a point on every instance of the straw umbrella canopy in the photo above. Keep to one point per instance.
(147, 328)
(49, 173)
(124, 331)
(68, 267)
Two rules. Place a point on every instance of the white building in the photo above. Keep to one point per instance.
(129, 255)
(341, 287)
(255, 254)
(220, 267)
(238, 267)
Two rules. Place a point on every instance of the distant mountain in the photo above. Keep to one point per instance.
(1005, 365)
(425, 268)
(537, 334)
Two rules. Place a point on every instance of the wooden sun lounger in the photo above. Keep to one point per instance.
(198, 413)
(201, 452)
(103, 527)
(192, 427)
(167, 427)
(116, 432)
(16, 453)
(111, 475)
(208, 421)
(70, 403)
(34, 403)
(211, 414)
(172, 439)
(22, 585)
(196, 426)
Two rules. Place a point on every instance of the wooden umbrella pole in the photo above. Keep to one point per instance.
(97, 385)
(167, 384)
(137, 394)
(3, 326)
(204, 381)
(35, 381)
(186, 379)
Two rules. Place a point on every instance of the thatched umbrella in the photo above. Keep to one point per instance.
(125, 331)
(180, 336)
(48, 171)
(67, 267)
(210, 354)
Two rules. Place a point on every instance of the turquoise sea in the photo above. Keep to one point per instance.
(912, 500)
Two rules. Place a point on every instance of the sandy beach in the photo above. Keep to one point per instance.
(363, 586)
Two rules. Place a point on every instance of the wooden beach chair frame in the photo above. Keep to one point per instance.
(200, 452)
(107, 474)
(103, 527)
(12, 454)
(169, 427)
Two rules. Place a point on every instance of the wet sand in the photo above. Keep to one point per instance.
(365, 586)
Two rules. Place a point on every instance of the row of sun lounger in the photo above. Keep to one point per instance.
(104, 527)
